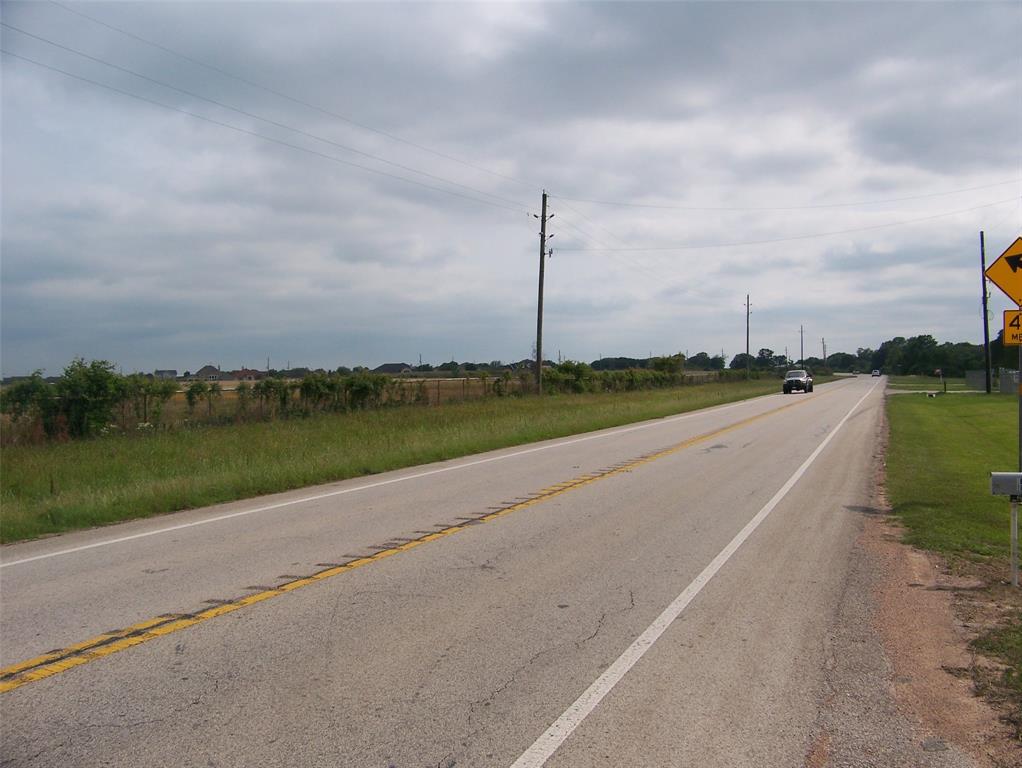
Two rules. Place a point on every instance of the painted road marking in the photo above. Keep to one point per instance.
(47, 665)
(550, 741)
(343, 491)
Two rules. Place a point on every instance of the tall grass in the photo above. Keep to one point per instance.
(59, 487)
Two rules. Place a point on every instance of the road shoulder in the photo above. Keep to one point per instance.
(900, 688)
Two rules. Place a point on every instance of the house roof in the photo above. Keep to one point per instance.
(392, 368)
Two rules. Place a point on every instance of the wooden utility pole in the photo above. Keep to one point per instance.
(539, 311)
(986, 315)
(748, 359)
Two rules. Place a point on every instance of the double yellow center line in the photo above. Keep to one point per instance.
(50, 664)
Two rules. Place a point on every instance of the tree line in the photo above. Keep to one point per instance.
(91, 399)
(917, 355)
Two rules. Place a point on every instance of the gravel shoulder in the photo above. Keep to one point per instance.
(900, 670)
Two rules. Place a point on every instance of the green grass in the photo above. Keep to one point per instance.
(925, 384)
(941, 453)
(59, 487)
(939, 461)
(1006, 644)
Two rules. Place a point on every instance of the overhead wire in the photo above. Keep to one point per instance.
(852, 230)
(264, 137)
(860, 204)
(531, 185)
(293, 99)
(518, 206)
(586, 218)
(254, 116)
(630, 263)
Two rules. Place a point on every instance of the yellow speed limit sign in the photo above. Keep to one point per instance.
(1013, 327)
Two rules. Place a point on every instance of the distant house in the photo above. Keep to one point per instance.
(246, 374)
(168, 374)
(393, 368)
(207, 373)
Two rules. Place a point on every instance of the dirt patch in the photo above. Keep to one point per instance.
(928, 650)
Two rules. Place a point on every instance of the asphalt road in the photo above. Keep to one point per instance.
(660, 594)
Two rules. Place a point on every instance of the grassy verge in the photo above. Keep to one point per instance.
(59, 487)
(925, 384)
(938, 463)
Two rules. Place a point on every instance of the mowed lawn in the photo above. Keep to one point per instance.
(59, 487)
(939, 461)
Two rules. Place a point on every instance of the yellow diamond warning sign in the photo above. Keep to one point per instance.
(1006, 272)
(1013, 327)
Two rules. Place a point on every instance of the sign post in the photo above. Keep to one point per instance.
(1006, 274)
(1010, 484)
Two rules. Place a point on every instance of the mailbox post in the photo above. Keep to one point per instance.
(1010, 484)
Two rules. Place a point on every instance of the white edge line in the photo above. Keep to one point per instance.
(268, 507)
(549, 742)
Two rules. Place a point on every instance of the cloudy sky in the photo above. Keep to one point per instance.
(355, 183)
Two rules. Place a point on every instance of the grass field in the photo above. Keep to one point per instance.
(59, 487)
(938, 470)
(941, 453)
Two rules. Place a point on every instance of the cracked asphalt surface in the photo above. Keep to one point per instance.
(461, 651)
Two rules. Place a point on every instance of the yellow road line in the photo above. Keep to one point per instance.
(49, 664)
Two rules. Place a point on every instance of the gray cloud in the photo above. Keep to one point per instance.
(144, 236)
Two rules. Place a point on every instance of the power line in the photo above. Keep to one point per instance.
(266, 120)
(695, 247)
(621, 204)
(627, 262)
(586, 218)
(263, 136)
(280, 94)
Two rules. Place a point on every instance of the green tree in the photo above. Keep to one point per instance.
(919, 355)
(161, 391)
(740, 361)
(765, 359)
(842, 361)
(196, 391)
(314, 391)
(213, 392)
(365, 389)
(87, 394)
(243, 392)
(668, 364)
(699, 362)
(30, 399)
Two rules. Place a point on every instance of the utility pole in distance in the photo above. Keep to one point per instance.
(539, 312)
(748, 360)
(801, 347)
(986, 315)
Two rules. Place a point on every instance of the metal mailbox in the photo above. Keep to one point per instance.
(1006, 483)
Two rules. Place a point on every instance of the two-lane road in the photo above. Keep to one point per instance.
(659, 594)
